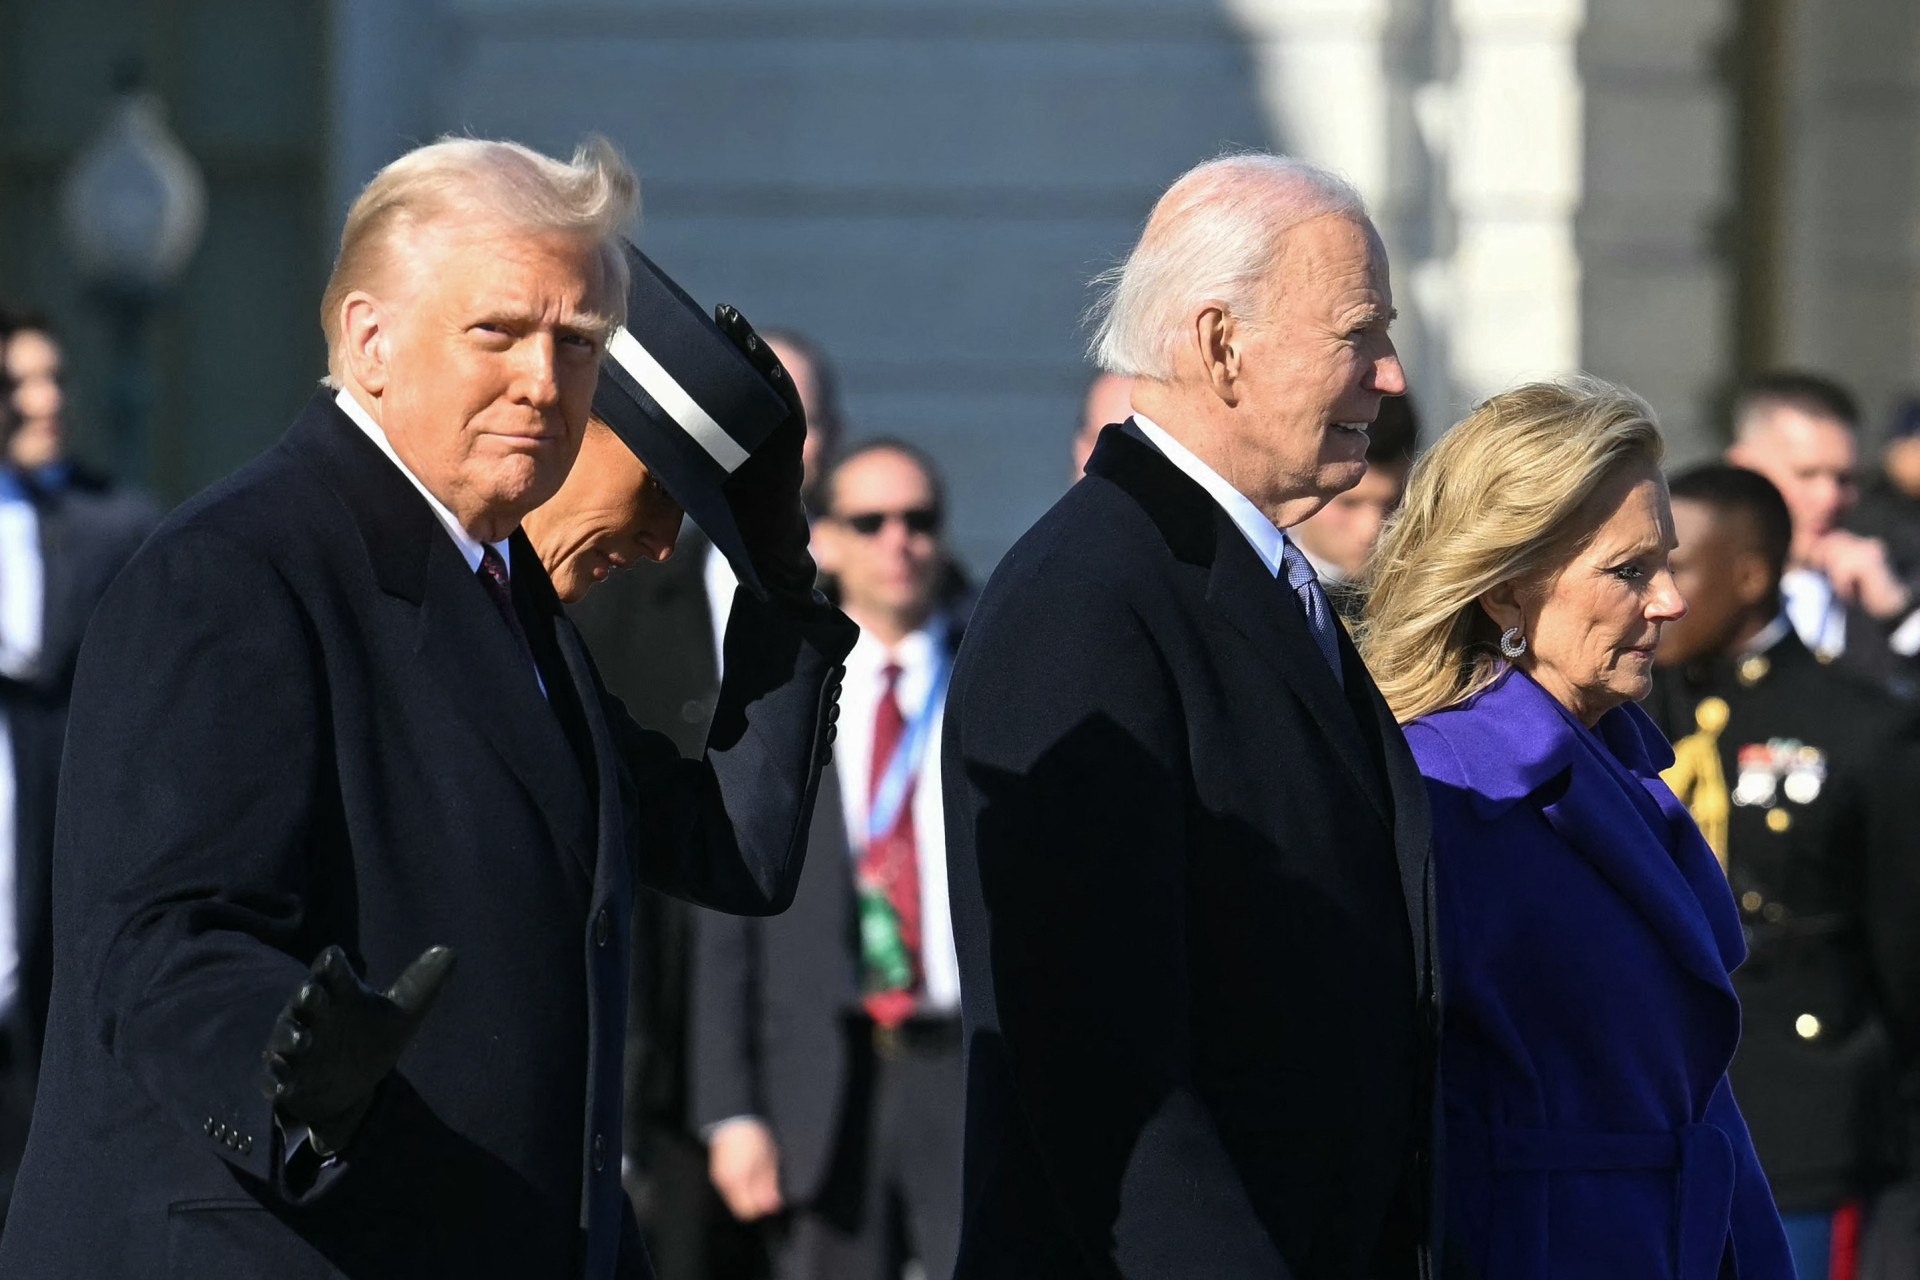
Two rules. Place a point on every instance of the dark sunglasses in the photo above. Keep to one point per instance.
(869, 523)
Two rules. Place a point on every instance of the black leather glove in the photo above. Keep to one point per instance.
(764, 493)
(338, 1038)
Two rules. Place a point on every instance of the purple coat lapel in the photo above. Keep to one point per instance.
(1602, 793)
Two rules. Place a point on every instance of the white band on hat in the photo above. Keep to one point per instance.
(671, 396)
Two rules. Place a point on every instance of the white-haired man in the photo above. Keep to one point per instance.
(1188, 847)
(330, 729)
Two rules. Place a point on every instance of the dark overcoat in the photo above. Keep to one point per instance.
(772, 1000)
(299, 720)
(1588, 935)
(1190, 885)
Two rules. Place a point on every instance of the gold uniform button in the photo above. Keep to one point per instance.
(1806, 1026)
(1774, 913)
(1751, 901)
(1712, 715)
(1778, 820)
(1753, 669)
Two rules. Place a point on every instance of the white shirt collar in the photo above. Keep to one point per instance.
(914, 655)
(1770, 635)
(1815, 613)
(468, 544)
(1267, 540)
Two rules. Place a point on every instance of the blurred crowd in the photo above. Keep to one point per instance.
(791, 1115)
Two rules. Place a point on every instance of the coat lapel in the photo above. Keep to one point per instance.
(1412, 820)
(1607, 811)
(461, 643)
(1239, 586)
(464, 644)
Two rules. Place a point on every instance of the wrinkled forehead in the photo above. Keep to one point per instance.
(1630, 509)
(1333, 261)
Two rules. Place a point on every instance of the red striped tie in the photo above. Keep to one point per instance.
(892, 859)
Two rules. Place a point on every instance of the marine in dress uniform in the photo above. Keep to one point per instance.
(1778, 755)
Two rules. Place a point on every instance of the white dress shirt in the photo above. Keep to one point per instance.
(1266, 539)
(470, 547)
(1817, 615)
(860, 694)
(720, 580)
(22, 619)
(468, 544)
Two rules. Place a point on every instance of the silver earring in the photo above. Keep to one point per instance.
(1512, 643)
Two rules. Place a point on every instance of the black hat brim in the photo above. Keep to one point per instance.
(687, 402)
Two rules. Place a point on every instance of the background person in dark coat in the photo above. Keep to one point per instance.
(64, 533)
(1778, 756)
(1588, 933)
(830, 1091)
(1188, 849)
(333, 703)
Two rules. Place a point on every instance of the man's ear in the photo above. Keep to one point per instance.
(1502, 604)
(1753, 579)
(366, 340)
(1218, 335)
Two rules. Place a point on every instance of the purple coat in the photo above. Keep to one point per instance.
(1586, 934)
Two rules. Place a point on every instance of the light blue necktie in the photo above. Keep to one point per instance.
(1313, 603)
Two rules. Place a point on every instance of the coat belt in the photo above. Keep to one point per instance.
(1700, 1155)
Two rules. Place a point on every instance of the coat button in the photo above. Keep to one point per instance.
(599, 1153)
(210, 1123)
(602, 927)
(220, 1133)
(246, 1145)
(691, 711)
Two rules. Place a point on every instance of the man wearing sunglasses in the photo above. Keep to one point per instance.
(827, 1064)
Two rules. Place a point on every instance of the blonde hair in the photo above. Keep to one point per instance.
(1502, 498)
(1214, 235)
(595, 193)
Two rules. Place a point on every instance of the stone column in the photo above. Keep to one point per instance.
(1513, 140)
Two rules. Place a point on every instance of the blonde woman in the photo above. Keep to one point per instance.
(1586, 931)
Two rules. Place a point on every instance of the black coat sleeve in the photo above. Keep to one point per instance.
(729, 830)
(188, 798)
(725, 1019)
(1069, 797)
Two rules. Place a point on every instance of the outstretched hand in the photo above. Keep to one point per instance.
(338, 1038)
(764, 493)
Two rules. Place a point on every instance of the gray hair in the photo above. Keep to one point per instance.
(595, 193)
(1213, 236)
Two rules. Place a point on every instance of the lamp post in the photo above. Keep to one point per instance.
(134, 206)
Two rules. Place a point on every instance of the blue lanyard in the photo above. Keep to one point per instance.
(904, 767)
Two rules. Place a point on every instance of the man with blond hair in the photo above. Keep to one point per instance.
(331, 730)
(1187, 845)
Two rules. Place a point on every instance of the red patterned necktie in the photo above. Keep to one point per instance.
(892, 859)
(493, 576)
